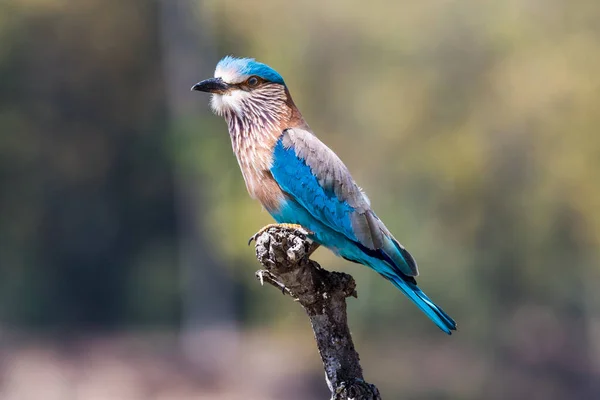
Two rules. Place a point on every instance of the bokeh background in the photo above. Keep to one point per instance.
(472, 124)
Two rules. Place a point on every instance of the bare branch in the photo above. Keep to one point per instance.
(284, 253)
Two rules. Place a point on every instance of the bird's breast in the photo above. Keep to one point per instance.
(255, 158)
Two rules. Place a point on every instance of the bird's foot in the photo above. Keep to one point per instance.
(289, 226)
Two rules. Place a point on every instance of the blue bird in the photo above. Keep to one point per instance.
(300, 181)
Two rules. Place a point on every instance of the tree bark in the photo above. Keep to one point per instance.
(284, 253)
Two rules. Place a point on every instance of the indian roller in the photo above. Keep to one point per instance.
(300, 181)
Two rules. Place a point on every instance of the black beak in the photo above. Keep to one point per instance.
(212, 85)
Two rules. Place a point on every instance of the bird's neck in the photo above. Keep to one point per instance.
(257, 124)
(262, 116)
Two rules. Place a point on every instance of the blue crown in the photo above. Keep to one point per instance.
(249, 66)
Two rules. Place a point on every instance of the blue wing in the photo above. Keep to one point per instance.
(296, 179)
(314, 176)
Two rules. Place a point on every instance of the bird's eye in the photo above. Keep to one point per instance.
(253, 81)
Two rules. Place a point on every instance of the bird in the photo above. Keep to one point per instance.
(300, 181)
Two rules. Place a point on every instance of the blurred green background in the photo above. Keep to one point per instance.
(472, 125)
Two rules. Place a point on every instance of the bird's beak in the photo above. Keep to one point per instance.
(212, 85)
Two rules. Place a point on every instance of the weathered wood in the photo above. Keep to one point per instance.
(284, 253)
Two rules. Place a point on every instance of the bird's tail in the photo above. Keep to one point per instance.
(390, 267)
(435, 313)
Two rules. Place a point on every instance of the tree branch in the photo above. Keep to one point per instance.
(284, 253)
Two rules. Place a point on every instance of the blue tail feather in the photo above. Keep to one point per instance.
(388, 267)
(435, 313)
(385, 265)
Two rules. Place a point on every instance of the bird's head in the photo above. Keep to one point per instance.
(246, 89)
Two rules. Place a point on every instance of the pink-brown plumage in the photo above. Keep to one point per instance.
(254, 134)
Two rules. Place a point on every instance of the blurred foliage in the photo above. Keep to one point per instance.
(473, 125)
(87, 216)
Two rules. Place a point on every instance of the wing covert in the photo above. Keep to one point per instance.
(312, 174)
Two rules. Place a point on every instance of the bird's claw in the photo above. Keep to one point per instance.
(252, 238)
(300, 228)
